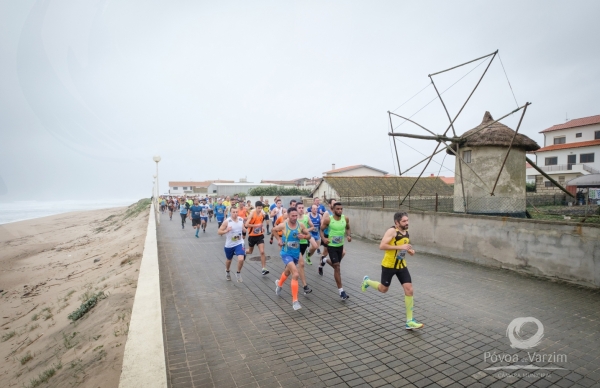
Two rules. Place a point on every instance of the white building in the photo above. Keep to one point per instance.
(192, 188)
(357, 170)
(570, 150)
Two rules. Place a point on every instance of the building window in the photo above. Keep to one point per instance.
(571, 159)
(548, 184)
(185, 188)
(561, 179)
(597, 135)
(560, 140)
(174, 188)
(552, 161)
(467, 156)
(586, 158)
(578, 134)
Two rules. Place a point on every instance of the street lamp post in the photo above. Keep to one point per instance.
(156, 158)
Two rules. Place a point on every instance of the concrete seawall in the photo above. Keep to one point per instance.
(144, 362)
(567, 251)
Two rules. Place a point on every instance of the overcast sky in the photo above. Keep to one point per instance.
(91, 90)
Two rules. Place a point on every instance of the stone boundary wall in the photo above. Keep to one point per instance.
(566, 251)
(144, 362)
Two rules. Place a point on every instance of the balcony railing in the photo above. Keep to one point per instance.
(590, 170)
(569, 167)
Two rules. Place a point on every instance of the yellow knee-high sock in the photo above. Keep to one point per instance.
(408, 301)
(373, 283)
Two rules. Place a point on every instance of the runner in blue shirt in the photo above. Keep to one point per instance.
(183, 211)
(220, 211)
(315, 218)
(196, 211)
(203, 215)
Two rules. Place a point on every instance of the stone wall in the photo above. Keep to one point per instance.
(567, 251)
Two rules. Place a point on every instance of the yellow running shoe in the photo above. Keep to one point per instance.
(412, 324)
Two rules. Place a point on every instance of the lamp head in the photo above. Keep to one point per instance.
(156, 158)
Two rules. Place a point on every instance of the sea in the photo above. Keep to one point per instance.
(27, 210)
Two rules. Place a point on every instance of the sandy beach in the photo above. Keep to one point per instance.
(49, 267)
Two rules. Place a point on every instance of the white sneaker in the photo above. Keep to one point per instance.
(227, 276)
(277, 288)
(296, 305)
(238, 276)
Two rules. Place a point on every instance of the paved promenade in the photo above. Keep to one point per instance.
(229, 334)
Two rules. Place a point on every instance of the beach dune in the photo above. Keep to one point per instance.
(49, 268)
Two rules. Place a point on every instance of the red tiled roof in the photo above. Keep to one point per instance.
(447, 180)
(578, 144)
(575, 123)
(353, 168)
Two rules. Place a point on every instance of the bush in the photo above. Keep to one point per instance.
(278, 190)
(530, 187)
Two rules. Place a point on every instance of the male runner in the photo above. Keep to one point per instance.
(232, 228)
(220, 210)
(211, 206)
(204, 215)
(266, 213)
(328, 213)
(321, 210)
(304, 221)
(273, 206)
(395, 243)
(339, 226)
(315, 219)
(292, 233)
(256, 235)
(277, 211)
(183, 212)
(196, 216)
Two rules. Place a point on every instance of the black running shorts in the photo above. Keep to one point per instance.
(335, 254)
(195, 221)
(387, 274)
(256, 240)
(303, 248)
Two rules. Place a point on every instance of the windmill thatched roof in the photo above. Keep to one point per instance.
(359, 186)
(496, 135)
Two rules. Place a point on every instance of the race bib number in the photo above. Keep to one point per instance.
(293, 244)
(258, 230)
(220, 211)
(337, 239)
(236, 237)
(196, 213)
(401, 254)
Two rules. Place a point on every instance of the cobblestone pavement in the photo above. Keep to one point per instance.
(229, 334)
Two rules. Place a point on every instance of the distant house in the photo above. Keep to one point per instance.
(569, 151)
(364, 186)
(225, 189)
(357, 170)
(191, 187)
(305, 183)
(449, 180)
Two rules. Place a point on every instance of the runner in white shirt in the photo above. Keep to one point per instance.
(232, 228)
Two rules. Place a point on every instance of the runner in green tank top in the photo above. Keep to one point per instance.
(339, 227)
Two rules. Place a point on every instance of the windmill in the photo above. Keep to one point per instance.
(480, 153)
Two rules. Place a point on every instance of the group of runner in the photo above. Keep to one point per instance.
(299, 234)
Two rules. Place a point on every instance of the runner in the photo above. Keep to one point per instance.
(396, 243)
(292, 232)
(211, 206)
(277, 210)
(163, 205)
(339, 226)
(315, 219)
(273, 206)
(220, 211)
(256, 235)
(321, 210)
(304, 221)
(183, 212)
(171, 208)
(232, 228)
(204, 215)
(266, 213)
(196, 216)
(328, 212)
